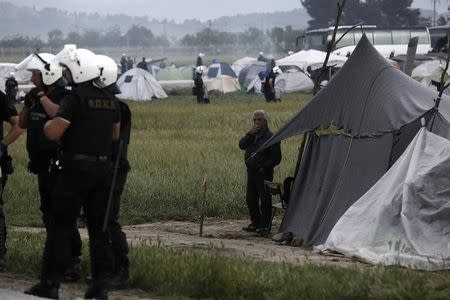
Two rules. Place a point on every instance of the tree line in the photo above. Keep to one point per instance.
(383, 13)
(277, 38)
(136, 36)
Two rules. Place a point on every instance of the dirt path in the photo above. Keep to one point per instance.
(224, 235)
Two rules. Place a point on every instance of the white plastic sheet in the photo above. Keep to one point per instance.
(404, 219)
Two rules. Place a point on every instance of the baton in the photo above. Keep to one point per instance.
(113, 185)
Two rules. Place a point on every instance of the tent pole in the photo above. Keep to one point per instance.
(331, 45)
(442, 85)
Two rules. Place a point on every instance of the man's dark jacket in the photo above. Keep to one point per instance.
(267, 158)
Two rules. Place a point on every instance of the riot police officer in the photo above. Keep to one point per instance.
(8, 113)
(108, 77)
(87, 122)
(40, 105)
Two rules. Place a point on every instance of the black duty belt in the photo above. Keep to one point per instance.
(86, 157)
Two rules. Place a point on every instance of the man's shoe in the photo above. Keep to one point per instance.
(96, 292)
(119, 281)
(250, 228)
(73, 273)
(262, 231)
(43, 291)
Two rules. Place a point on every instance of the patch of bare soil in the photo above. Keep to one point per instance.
(225, 235)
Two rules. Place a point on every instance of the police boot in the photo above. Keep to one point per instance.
(73, 273)
(2, 264)
(119, 281)
(97, 292)
(44, 289)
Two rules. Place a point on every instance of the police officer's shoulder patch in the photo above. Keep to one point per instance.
(102, 104)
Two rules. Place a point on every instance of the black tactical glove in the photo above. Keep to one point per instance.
(33, 97)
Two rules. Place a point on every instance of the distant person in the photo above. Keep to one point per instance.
(11, 87)
(200, 59)
(162, 65)
(123, 64)
(199, 87)
(269, 85)
(277, 91)
(130, 63)
(261, 57)
(143, 64)
(260, 167)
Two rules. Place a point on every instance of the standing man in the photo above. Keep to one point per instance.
(123, 64)
(11, 87)
(87, 122)
(8, 113)
(269, 82)
(119, 244)
(200, 60)
(199, 85)
(143, 64)
(260, 167)
(130, 63)
(41, 105)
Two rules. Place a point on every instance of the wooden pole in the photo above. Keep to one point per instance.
(202, 204)
(331, 45)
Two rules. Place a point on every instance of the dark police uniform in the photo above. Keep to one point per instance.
(259, 168)
(85, 179)
(7, 110)
(119, 243)
(269, 94)
(200, 89)
(41, 151)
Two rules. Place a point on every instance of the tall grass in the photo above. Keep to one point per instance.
(209, 274)
(174, 144)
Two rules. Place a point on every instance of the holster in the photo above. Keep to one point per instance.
(6, 164)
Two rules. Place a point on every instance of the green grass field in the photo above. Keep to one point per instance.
(183, 274)
(174, 144)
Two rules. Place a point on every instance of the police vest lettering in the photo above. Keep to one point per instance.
(103, 104)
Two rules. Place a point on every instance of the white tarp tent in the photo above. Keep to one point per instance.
(138, 84)
(404, 219)
(287, 82)
(241, 63)
(430, 71)
(313, 58)
(223, 84)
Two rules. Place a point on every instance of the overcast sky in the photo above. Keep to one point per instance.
(179, 10)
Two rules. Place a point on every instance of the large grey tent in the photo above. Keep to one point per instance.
(379, 108)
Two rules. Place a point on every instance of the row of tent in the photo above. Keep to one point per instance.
(379, 187)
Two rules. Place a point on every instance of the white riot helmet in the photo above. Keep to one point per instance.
(108, 69)
(108, 72)
(199, 70)
(277, 70)
(82, 63)
(12, 74)
(44, 63)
